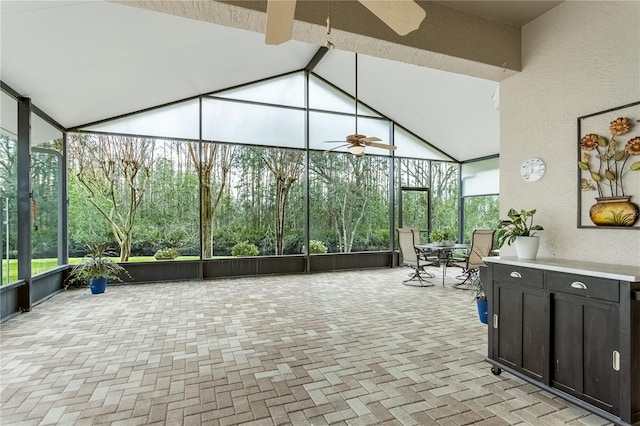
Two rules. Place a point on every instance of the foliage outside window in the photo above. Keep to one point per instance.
(444, 196)
(413, 176)
(349, 201)
(480, 186)
(145, 197)
(264, 202)
(245, 183)
(480, 212)
(8, 208)
(141, 195)
(44, 208)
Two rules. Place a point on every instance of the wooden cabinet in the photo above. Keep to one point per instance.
(519, 320)
(584, 350)
(574, 334)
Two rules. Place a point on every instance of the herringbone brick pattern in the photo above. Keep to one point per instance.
(354, 348)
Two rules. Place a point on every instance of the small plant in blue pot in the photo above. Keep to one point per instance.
(97, 269)
(477, 289)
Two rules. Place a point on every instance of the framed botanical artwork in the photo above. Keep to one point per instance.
(609, 168)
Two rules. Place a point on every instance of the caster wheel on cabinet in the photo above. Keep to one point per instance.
(497, 371)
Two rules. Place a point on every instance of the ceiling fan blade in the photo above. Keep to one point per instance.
(342, 141)
(381, 145)
(338, 147)
(401, 16)
(371, 139)
(280, 15)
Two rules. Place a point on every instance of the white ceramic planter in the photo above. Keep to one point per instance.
(527, 247)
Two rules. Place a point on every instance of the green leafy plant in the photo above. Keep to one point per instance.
(97, 264)
(315, 246)
(168, 253)
(436, 236)
(245, 248)
(476, 287)
(519, 224)
(442, 235)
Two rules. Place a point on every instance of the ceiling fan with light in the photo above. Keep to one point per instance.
(402, 16)
(356, 142)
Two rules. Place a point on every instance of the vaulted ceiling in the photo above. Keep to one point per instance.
(85, 61)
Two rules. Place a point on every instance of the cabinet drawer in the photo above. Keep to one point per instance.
(581, 285)
(519, 275)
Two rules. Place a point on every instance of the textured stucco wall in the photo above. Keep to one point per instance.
(579, 58)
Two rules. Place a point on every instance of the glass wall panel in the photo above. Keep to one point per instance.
(480, 177)
(47, 168)
(480, 212)
(144, 201)
(412, 147)
(286, 90)
(166, 226)
(349, 201)
(323, 96)
(332, 128)
(413, 176)
(8, 190)
(178, 121)
(237, 122)
(414, 209)
(413, 173)
(444, 198)
(258, 207)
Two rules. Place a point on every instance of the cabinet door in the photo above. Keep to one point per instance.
(520, 329)
(585, 336)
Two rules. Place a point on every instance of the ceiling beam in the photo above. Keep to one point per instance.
(447, 39)
(316, 59)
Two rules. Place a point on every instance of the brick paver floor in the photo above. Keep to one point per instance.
(352, 348)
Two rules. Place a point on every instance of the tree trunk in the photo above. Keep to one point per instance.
(113, 171)
(213, 155)
(286, 167)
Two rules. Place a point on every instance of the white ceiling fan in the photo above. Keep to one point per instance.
(356, 142)
(402, 16)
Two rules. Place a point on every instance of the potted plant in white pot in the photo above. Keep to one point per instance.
(97, 269)
(520, 228)
(442, 237)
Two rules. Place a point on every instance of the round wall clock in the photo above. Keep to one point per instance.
(532, 169)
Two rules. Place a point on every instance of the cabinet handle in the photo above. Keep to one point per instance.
(495, 320)
(616, 360)
(578, 285)
(516, 274)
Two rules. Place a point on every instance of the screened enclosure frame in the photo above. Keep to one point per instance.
(25, 296)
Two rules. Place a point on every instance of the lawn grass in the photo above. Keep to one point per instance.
(42, 265)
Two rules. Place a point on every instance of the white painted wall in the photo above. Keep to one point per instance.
(581, 57)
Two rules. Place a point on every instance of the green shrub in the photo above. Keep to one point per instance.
(245, 249)
(168, 253)
(315, 246)
(293, 244)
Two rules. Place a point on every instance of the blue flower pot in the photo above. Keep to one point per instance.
(482, 310)
(97, 285)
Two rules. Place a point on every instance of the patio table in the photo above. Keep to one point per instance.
(444, 253)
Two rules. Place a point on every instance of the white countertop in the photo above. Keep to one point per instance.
(603, 270)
